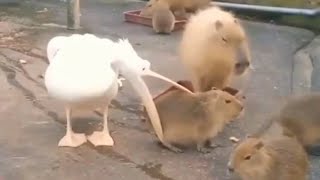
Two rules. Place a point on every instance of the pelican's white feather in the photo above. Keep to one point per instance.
(54, 45)
(80, 70)
(58, 42)
(128, 57)
(125, 49)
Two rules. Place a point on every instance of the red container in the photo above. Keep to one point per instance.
(134, 17)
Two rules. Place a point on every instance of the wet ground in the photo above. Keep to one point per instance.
(32, 123)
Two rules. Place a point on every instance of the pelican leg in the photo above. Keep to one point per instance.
(71, 139)
(102, 138)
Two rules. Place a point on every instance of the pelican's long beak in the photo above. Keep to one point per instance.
(141, 88)
(156, 75)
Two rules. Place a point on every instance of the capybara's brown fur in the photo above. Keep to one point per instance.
(194, 119)
(188, 84)
(300, 117)
(281, 158)
(163, 19)
(214, 49)
(178, 7)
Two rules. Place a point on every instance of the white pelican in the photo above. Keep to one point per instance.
(83, 74)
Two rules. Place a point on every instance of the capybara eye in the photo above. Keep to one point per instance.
(224, 39)
(228, 101)
(247, 157)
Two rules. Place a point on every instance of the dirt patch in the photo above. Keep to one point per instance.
(19, 26)
(8, 27)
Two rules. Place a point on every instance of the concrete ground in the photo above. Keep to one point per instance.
(32, 123)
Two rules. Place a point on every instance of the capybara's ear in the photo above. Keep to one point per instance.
(259, 145)
(231, 90)
(187, 84)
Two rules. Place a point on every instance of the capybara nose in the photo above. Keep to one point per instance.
(230, 169)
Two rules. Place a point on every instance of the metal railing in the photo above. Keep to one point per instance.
(269, 9)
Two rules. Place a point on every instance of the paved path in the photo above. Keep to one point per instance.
(32, 124)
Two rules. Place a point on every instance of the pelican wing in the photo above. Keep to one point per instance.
(80, 71)
(54, 45)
